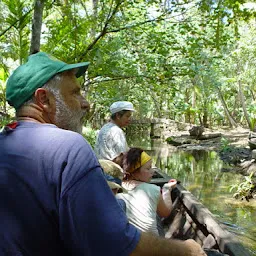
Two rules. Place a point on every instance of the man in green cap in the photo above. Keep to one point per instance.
(51, 85)
(54, 198)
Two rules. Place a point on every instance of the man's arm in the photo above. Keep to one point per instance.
(153, 245)
(91, 220)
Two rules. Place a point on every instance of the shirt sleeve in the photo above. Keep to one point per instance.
(118, 142)
(91, 220)
(110, 142)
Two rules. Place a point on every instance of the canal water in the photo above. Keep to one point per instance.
(202, 174)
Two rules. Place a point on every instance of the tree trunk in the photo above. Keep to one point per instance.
(153, 95)
(206, 113)
(241, 96)
(187, 112)
(194, 81)
(192, 119)
(37, 26)
(252, 94)
(205, 117)
(231, 121)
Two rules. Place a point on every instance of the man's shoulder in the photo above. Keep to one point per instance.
(56, 136)
(66, 134)
(54, 131)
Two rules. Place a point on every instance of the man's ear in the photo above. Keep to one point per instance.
(43, 99)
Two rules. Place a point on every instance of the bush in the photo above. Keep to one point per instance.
(245, 189)
(90, 135)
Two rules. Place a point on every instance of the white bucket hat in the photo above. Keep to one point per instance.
(121, 105)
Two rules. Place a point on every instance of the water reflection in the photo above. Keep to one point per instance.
(200, 172)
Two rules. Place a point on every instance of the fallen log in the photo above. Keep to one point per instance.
(207, 136)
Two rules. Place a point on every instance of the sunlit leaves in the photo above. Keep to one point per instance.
(16, 24)
(169, 57)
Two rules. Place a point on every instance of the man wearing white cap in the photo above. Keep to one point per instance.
(111, 141)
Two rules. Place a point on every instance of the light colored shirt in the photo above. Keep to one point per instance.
(141, 206)
(110, 142)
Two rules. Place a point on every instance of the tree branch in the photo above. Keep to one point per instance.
(37, 26)
(103, 32)
(110, 17)
(139, 24)
(109, 79)
(14, 23)
(85, 9)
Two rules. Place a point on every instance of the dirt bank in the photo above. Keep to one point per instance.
(231, 145)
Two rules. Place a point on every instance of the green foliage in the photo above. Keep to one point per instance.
(224, 144)
(5, 115)
(253, 124)
(17, 24)
(168, 58)
(243, 189)
(90, 135)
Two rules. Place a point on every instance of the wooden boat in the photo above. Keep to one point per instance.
(190, 219)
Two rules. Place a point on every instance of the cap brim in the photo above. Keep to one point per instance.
(130, 109)
(118, 110)
(81, 68)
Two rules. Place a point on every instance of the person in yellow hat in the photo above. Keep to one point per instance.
(144, 201)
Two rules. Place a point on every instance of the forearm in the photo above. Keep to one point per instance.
(153, 245)
(166, 192)
(166, 195)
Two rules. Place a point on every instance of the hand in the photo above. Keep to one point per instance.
(170, 185)
(192, 248)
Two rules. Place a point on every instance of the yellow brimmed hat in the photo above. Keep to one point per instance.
(114, 185)
(114, 174)
(144, 158)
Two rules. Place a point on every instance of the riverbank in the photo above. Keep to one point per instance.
(232, 147)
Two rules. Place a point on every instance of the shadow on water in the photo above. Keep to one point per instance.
(201, 173)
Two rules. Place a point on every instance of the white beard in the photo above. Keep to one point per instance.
(67, 118)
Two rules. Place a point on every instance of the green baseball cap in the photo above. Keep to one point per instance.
(39, 69)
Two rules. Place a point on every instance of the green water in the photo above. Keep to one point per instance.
(201, 173)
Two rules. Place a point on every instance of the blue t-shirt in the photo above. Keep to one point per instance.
(54, 199)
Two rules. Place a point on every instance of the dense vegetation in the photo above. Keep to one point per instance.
(188, 60)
